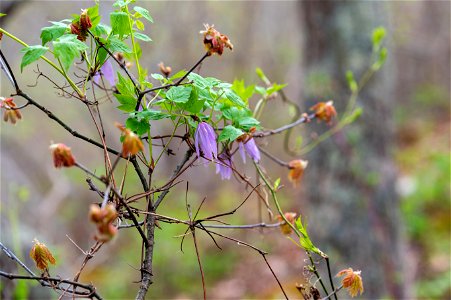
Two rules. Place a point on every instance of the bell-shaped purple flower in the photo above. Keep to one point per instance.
(223, 166)
(107, 71)
(205, 141)
(251, 148)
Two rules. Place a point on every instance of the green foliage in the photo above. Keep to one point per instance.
(305, 240)
(230, 133)
(53, 32)
(31, 54)
(120, 23)
(67, 48)
(353, 86)
(179, 94)
(143, 12)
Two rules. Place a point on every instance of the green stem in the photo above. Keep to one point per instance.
(61, 71)
(135, 52)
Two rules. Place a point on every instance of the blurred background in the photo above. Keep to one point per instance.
(376, 196)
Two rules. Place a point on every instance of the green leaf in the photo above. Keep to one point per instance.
(351, 81)
(53, 32)
(262, 76)
(125, 85)
(31, 54)
(2, 15)
(179, 94)
(378, 36)
(194, 104)
(232, 96)
(101, 29)
(116, 45)
(144, 12)
(152, 114)
(248, 122)
(122, 3)
(199, 81)
(120, 23)
(67, 48)
(276, 183)
(139, 25)
(230, 133)
(139, 126)
(142, 37)
(275, 88)
(127, 102)
(93, 13)
(157, 76)
(244, 92)
(178, 75)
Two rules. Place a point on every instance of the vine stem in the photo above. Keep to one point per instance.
(280, 211)
(62, 72)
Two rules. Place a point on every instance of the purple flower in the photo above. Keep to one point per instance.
(107, 71)
(205, 141)
(223, 166)
(251, 148)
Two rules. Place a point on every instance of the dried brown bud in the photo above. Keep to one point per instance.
(85, 21)
(62, 156)
(165, 70)
(119, 56)
(324, 111)
(297, 168)
(11, 114)
(284, 227)
(131, 143)
(352, 281)
(103, 218)
(41, 255)
(215, 41)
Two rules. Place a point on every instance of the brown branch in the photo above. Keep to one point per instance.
(304, 119)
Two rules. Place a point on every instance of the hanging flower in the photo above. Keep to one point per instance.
(107, 71)
(352, 281)
(247, 144)
(297, 168)
(284, 227)
(41, 255)
(62, 156)
(10, 114)
(131, 143)
(104, 218)
(324, 111)
(223, 166)
(205, 141)
(215, 41)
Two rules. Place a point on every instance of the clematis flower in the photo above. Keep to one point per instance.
(205, 141)
(215, 41)
(10, 114)
(41, 255)
(284, 227)
(223, 166)
(352, 281)
(297, 168)
(247, 144)
(62, 156)
(107, 71)
(324, 111)
(131, 143)
(104, 218)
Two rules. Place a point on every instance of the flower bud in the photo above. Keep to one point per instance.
(324, 111)
(103, 218)
(11, 114)
(131, 143)
(62, 156)
(352, 281)
(214, 41)
(85, 21)
(41, 255)
(297, 168)
(284, 227)
(165, 70)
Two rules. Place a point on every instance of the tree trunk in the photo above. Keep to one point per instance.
(352, 205)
